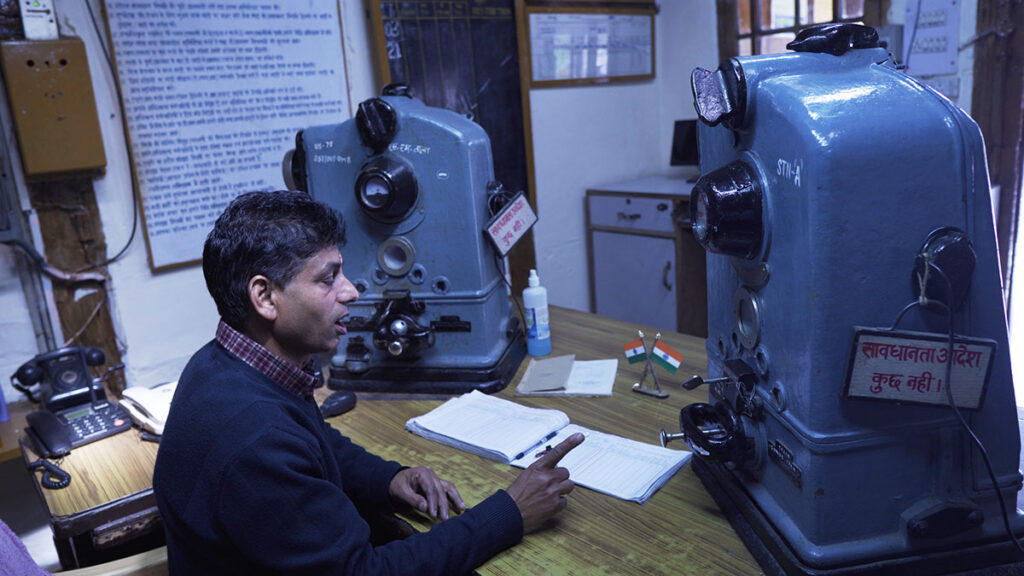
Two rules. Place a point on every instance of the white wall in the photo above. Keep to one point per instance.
(160, 318)
(594, 135)
(18, 342)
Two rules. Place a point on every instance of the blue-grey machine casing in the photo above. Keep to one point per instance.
(827, 173)
(412, 183)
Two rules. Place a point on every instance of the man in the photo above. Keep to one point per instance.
(249, 478)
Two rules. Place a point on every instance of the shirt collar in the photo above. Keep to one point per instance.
(298, 381)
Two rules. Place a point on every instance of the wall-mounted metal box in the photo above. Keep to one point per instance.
(53, 106)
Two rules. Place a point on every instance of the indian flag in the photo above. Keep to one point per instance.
(635, 351)
(666, 356)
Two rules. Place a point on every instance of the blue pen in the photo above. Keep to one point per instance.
(546, 438)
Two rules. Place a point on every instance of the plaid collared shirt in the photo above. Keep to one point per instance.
(299, 381)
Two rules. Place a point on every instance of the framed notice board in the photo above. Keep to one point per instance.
(213, 94)
(592, 44)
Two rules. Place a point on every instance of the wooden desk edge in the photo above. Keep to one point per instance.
(10, 431)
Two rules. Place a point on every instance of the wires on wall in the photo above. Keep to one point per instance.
(127, 144)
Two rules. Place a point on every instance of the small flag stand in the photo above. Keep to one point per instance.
(634, 355)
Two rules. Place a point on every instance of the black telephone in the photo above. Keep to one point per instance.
(76, 408)
(61, 379)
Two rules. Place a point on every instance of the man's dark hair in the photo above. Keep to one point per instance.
(268, 233)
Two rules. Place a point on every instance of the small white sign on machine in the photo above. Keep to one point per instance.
(910, 367)
(511, 223)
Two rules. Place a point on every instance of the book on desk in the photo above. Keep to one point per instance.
(517, 435)
(566, 376)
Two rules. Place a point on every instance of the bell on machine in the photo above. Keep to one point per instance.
(414, 184)
(857, 337)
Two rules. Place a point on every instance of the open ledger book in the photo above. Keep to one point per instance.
(515, 434)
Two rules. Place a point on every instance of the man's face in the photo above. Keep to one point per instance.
(311, 307)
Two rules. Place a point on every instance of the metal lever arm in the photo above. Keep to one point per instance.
(696, 381)
(665, 437)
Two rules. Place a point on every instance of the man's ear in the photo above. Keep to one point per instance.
(261, 292)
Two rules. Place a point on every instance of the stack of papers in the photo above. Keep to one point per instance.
(514, 434)
(565, 376)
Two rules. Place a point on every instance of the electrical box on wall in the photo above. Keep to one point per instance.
(53, 106)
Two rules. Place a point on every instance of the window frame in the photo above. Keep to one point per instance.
(756, 32)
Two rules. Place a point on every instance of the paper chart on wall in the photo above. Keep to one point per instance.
(213, 94)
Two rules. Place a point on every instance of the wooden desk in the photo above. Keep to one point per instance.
(679, 530)
(108, 510)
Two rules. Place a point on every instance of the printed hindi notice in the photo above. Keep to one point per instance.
(911, 367)
(214, 93)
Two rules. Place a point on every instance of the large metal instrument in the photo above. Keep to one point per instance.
(413, 183)
(855, 317)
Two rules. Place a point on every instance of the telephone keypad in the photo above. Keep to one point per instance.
(96, 424)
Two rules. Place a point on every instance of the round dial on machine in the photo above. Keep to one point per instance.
(386, 189)
(376, 193)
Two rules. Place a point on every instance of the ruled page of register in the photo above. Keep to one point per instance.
(614, 465)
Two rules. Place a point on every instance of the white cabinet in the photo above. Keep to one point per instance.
(645, 266)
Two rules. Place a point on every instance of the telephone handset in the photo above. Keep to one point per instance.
(76, 408)
(60, 379)
(51, 435)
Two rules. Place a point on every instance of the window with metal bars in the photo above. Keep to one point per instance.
(766, 26)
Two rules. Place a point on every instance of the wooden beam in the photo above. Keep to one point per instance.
(73, 241)
(728, 29)
(998, 108)
(875, 12)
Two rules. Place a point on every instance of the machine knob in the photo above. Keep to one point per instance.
(357, 355)
(726, 211)
(396, 89)
(293, 167)
(665, 437)
(720, 96)
(947, 256)
(402, 337)
(834, 38)
(397, 331)
(399, 327)
(377, 123)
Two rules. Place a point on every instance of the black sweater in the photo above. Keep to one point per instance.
(249, 479)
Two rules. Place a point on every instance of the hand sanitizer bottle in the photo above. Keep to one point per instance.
(538, 330)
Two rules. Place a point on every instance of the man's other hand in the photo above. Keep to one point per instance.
(540, 490)
(422, 489)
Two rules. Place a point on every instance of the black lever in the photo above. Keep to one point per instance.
(696, 381)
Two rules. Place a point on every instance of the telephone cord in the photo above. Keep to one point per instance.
(53, 478)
